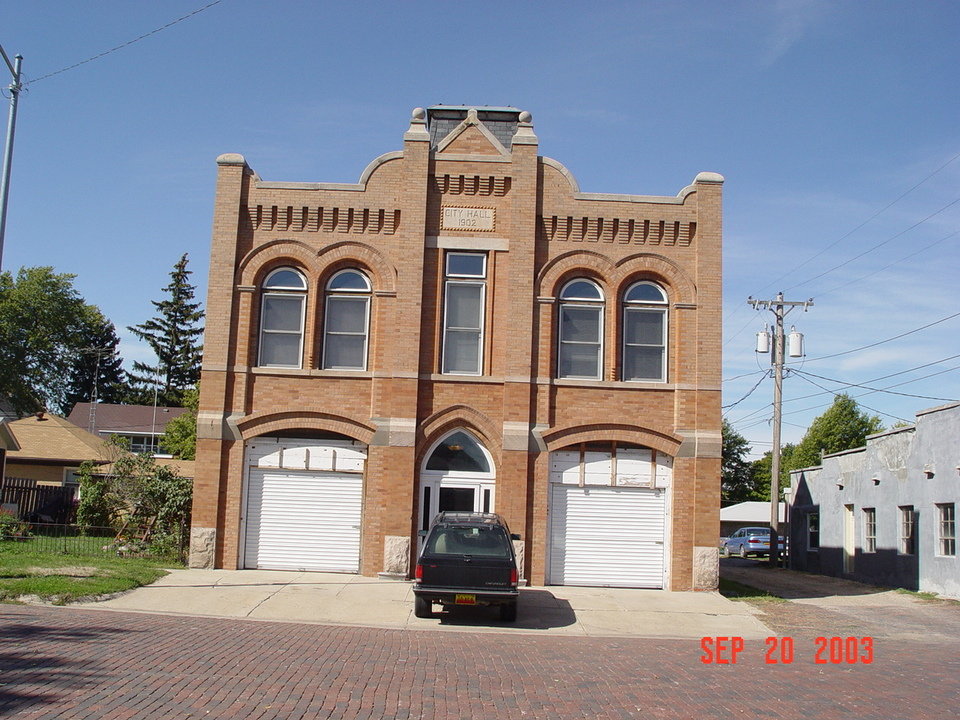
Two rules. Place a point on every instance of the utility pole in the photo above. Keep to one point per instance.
(780, 309)
(15, 87)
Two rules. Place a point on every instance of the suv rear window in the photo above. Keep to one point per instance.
(483, 541)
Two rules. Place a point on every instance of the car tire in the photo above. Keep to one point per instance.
(743, 552)
(508, 613)
(422, 608)
(724, 552)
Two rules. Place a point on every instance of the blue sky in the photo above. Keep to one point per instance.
(834, 123)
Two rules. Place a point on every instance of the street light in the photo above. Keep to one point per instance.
(15, 87)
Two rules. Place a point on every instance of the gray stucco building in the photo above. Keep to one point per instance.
(885, 513)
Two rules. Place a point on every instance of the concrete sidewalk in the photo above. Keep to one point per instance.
(341, 599)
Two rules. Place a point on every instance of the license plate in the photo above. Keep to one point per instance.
(464, 599)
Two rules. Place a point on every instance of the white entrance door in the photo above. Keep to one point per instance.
(849, 539)
(606, 536)
(453, 494)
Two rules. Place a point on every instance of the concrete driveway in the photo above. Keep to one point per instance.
(332, 598)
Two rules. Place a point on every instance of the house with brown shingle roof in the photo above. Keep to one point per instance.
(141, 425)
(51, 449)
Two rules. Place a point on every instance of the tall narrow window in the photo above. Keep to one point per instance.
(464, 296)
(581, 331)
(645, 333)
(813, 531)
(869, 530)
(908, 530)
(346, 321)
(281, 319)
(947, 531)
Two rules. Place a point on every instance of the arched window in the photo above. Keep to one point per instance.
(458, 452)
(581, 331)
(284, 292)
(645, 333)
(346, 321)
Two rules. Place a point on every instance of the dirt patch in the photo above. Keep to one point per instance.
(76, 571)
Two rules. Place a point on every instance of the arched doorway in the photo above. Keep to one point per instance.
(457, 475)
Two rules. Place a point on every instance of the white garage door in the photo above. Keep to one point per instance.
(606, 536)
(303, 520)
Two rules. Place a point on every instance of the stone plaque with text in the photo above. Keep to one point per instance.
(467, 218)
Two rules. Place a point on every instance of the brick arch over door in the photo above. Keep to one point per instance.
(597, 432)
(463, 417)
(344, 254)
(275, 423)
(274, 254)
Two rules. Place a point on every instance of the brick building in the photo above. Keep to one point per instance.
(462, 329)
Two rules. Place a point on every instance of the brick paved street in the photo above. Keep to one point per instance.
(73, 664)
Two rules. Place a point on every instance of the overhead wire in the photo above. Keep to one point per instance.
(749, 393)
(875, 247)
(123, 45)
(881, 342)
(876, 390)
(846, 235)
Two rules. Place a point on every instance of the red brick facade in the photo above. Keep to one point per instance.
(542, 233)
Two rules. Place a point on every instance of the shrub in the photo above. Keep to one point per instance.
(11, 527)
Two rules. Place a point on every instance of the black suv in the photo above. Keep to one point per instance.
(467, 559)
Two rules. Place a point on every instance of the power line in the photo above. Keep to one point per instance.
(867, 407)
(885, 377)
(883, 390)
(877, 246)
(126, 44)
(846, 235)
(881, 342)
(890, 265)
(732, 405)
(749, 374)
(869, 219)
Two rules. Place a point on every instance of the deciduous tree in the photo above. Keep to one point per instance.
(843, 426)
(737, 482)
(43, 323)
(180, 437)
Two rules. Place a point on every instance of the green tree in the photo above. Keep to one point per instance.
(180, 437)
(760, 471)
(43, 323)
(96, 361)
(737, 482)
(843, 426)
(174, 336)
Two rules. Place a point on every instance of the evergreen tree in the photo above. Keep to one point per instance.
(174, 336)
(737, 483)
(97, 358)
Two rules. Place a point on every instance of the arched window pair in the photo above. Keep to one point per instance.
(346, 320)
(643, 332)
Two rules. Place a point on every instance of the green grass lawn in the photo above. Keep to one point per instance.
(61, 578)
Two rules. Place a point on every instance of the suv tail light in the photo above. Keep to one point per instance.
(513, 576)
(418, 573)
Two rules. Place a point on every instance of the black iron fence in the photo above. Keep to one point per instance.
(63, 539)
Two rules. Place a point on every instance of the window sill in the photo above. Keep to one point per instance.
(310, 372)
(618, 384)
